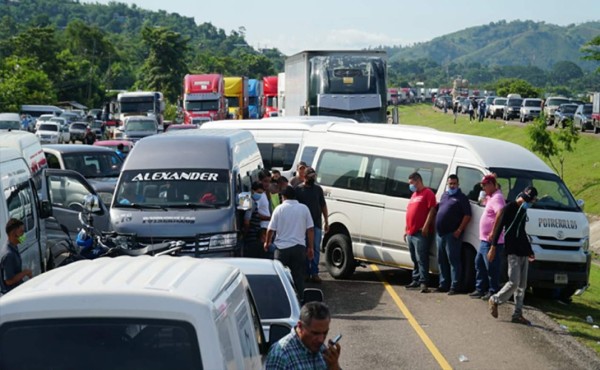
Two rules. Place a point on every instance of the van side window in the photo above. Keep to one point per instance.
(378, 175)
(19, 201)
(278, 155)
(308, 154)
(52, 160)
(470, 181)
(342, 170)
(432, 174)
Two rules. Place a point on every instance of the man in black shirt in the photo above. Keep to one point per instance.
(518, 250)
(11, 269)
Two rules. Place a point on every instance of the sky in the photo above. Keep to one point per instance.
(293, 26)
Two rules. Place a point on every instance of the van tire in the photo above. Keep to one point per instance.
(339, 258)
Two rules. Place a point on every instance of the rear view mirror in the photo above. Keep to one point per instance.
(580, 203)
(244, 201)
(312, 295)
(91, 204)
(45, 209)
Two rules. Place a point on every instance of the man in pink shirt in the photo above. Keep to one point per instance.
(487, 277)
(420, 217)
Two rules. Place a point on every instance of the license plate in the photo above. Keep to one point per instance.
(561, 279)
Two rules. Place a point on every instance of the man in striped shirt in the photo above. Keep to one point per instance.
(304, 348)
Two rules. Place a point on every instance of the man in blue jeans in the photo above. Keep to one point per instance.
(311, 194)
(453, 216)
(487, 277)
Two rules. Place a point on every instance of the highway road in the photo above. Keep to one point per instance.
(385, 326)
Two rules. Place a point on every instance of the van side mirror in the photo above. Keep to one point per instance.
(580, 203)
(91, 204)
(312, 295)
(244, 201)
(45, 209)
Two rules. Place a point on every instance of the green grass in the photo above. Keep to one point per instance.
(582, 167)
(573, 315)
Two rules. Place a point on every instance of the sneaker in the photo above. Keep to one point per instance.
(520, 320)
(452, 292)
(493, 308)
(441, 290)
(316, 279)
(486, 296)
(476, 294)
(413, 285)
(424, 288)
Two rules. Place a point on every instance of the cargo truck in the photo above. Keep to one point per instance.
(350, 84)
(236, 92)
(281, 94)
(203, 98)
(255, 95)
(269, 102)
(141, 103)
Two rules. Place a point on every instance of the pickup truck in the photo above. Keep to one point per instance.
(497, 108)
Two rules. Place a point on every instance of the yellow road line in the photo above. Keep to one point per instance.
(413, 322)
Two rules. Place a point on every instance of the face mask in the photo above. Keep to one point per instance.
(21, 239)
(412, 187)
(526, 205)
(256, 196)
(452, 191)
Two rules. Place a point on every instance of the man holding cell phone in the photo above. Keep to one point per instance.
(305, 347)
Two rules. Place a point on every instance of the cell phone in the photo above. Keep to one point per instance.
(336, 339)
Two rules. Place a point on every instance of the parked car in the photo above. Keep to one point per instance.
(582, 119)
(489, 100)
(497, 108)
(530, 109)
(175, 127)
(135, 128)
(96, 126)
(77, 131)
(564, 113)
(274, 291)
(10, 121)
(100, 166)
(52, 133)
(42, 118)
(512, 108)
(113, 144)
(550, 105)
(71, 116)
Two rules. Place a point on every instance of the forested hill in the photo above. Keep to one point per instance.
(517, 43)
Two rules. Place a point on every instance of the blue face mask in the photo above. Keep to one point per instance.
(452, 191)
(412, 188)
(256, 196)
(526, 205)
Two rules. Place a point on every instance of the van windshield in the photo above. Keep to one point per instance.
(108, 343)
(278, 155)
(552, 191)
(173, 188)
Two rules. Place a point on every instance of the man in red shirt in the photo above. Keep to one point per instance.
(420, 216)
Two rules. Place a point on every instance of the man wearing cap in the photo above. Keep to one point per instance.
(299, 177)
(487, 276)
(519, 253)
(292, 225)
(311, 194)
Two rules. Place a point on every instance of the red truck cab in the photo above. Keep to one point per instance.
(269, 102)
(203, 98)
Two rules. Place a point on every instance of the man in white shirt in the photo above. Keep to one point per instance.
(294, 226)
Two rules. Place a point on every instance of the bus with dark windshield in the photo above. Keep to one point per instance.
(349, 84)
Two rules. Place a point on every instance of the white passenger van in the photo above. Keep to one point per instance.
(30, 148)
(278, 138)
(37, 110)
(133, 313)
(189, 185)
(364, 171)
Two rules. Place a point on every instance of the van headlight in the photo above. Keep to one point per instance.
(223, 241)
(586, 244)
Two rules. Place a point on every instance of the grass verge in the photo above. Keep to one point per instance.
(574, 315)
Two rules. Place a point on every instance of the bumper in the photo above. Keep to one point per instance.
(544, 274)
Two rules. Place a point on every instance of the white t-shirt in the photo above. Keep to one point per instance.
(291, 220)
(263, 210)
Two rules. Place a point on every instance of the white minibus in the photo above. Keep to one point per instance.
(364, 169)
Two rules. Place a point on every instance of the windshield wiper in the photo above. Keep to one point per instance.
(192, 205)
(142, 206)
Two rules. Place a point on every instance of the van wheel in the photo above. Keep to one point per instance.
(339, 259)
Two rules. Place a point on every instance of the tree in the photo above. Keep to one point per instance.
(39, 43)
(516, 86)
(23, 82)
(592, 50)
(552, 145)
(565, 71)
(165, 66)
